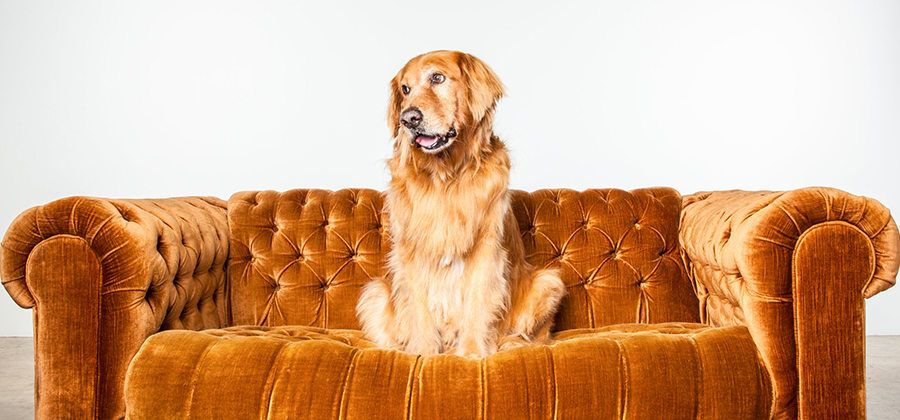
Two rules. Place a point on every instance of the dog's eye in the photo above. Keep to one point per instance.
(437, 78)
(405, 89)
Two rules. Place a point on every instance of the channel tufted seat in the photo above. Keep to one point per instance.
(728, 304)
(632, 370)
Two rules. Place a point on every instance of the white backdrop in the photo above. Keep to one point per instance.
(172, 98)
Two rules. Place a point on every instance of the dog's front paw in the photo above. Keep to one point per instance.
(423, 347)
(471, 354)
(472, 349)
(513, 342)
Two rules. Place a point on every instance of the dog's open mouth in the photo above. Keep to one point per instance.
(433, 142)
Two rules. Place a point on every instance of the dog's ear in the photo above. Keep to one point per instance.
(484, 86)
(393, 112)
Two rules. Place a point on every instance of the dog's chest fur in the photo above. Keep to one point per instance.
(434, 233)
(443, 222)
(445, 297)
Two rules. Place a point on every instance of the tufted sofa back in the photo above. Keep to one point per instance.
(300, 257)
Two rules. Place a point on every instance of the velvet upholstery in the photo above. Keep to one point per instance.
(794, 267)
(300, 257)
(623, 371)
(776, 279)
(102, 275)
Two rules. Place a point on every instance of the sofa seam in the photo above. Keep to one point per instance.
(100, 362)
(196, 374)
(552, 368)
(700, 388)
(413, 379)
(623, 377)
(351, 367)
(482, 366)
(271, 377)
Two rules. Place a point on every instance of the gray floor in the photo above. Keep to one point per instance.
(882, 377)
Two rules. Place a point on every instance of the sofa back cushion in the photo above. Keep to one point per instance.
(300, 257)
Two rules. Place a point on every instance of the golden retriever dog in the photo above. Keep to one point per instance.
(457, 277)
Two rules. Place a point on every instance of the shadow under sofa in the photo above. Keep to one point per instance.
(728, 304)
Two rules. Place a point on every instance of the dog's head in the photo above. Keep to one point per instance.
(439, 98)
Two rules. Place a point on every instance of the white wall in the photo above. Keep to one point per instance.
(170, 98)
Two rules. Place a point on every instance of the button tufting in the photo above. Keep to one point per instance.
(574, 227)
(125, 214)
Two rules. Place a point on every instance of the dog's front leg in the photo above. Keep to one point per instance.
(486, 295)
(422, 332)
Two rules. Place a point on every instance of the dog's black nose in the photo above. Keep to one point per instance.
(411, 117)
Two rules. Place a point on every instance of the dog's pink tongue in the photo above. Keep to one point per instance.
(426, 141)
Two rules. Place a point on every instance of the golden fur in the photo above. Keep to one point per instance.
(458, 281)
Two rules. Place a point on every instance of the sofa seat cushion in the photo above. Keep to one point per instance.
(621, 371)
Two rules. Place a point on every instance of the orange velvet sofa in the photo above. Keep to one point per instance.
(729, 304)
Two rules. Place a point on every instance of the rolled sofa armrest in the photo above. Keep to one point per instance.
(103, 275)
(794, 267)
